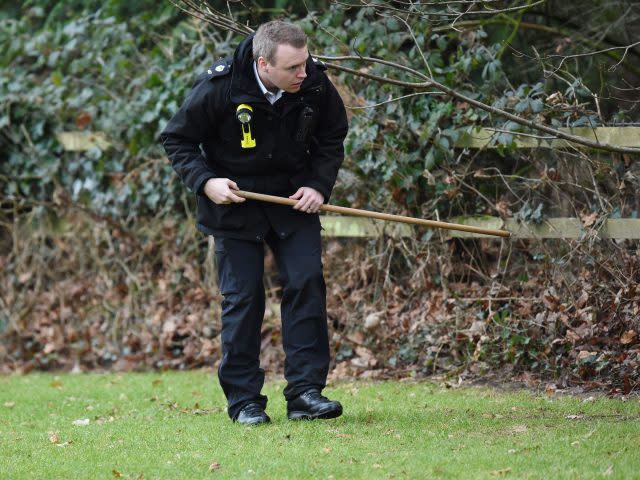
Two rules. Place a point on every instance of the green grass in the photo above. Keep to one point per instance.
(173, 425)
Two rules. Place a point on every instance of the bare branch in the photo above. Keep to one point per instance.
(378, 78)
(491, 109)
(531, 124)
(391, 100)
(522, 134)
(374, 60)
(590, 54)
(202, 11)
(417, 44)
(199, 9)
(504, 10)
(415, 9)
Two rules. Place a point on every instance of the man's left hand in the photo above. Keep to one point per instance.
(309, 200)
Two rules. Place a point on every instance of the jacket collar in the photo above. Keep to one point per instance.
(270, 96)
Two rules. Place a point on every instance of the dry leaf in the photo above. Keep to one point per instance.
(9, 404)
(628, 337)
(608, 472)
(519, 429)
(169, 327)
(574, 417)
(83, 119)
(503, 209)
(116, 473)
(364, 358)
(550, 301)
(550, 390)
(326, 450)
(589, 220)
(157, 382)
(585, 354)
(582, 301)
(56, 384)
(53, 437)
(502, 471)
(344, 435)
(102, 420)
(25, 277)
(214, 466)
(356, 337)
(372, 320)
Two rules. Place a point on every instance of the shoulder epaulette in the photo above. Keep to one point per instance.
(219, 69)
(319, 63)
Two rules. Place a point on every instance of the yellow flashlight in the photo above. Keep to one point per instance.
(243, 114)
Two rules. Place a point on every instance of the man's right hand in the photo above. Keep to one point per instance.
(220, 191)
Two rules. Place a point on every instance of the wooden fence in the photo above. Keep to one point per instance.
(561, 227)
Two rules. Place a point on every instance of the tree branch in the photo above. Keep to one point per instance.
(199, 9)
(483, 106)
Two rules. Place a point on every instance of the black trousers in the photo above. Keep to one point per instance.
(303, 309)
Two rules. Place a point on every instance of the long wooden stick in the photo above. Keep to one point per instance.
(381, 216)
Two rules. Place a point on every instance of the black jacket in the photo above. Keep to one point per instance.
(203, 141)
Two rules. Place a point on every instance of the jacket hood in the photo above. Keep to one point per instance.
(242, 77)
(243, 55)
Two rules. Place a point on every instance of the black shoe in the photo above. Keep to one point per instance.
(311, 405)
(252, 414)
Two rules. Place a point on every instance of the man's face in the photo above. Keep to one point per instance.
(288, 69)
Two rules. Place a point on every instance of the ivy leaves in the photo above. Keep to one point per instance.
(97, 73)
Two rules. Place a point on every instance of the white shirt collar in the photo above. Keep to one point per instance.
(272, 97)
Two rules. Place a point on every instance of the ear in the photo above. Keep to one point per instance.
(262, 63)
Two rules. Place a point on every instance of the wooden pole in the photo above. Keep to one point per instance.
(380, 216)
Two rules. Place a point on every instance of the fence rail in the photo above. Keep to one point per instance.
(618, 136)
(561, 227)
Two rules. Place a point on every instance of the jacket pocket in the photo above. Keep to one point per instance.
(220, 217)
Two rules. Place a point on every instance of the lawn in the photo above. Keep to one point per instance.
(173, 425)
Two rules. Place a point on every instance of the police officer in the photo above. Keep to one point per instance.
(267, 120)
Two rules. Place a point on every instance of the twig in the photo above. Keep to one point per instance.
(392, 100)
(223, 21)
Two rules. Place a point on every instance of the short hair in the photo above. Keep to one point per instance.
(271, 34)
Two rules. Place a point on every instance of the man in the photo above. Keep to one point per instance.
(267, 120)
